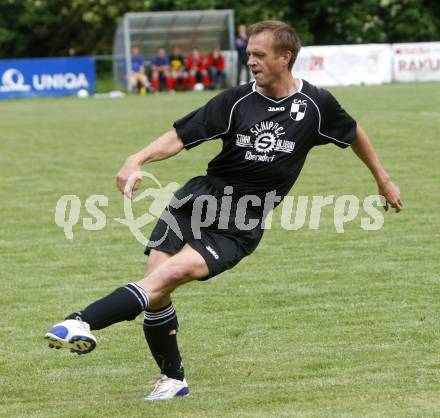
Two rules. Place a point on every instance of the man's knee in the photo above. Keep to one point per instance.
(162, 281)
(155, 259)
(179, 269)
(179, 273)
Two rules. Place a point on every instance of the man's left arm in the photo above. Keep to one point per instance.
(363, 148)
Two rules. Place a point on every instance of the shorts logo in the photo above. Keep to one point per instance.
(214, 254)
(298, 110)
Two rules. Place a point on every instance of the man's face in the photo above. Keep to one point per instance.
(161, 52)
(266, 65)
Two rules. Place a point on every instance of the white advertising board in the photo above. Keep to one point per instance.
(343, 65)
(416, 61)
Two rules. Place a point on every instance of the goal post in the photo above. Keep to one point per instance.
(202, 29)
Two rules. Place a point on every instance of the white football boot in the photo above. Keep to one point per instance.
(71, 334)
(167, 388)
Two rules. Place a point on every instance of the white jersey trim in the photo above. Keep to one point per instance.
(254, 88)
(229, 124)
(319, 122)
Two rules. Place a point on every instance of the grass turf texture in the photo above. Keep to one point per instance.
(313, 324)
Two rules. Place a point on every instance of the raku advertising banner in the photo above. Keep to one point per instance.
(46, 77)
(416, 61)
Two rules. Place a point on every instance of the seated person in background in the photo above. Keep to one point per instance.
(178, 71)
(139, 79)
(216, 68)
(161, 70)
(197, 67)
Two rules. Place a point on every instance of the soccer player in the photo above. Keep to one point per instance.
(216, 68)
(178, 70)
(196, 63)
(267, 128)
(138, 78)
(161, 70)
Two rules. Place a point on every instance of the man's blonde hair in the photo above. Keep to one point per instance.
(285, 37)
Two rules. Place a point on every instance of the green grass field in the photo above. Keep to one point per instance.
(313, 324)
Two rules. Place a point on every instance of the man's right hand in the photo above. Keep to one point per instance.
(129, 176)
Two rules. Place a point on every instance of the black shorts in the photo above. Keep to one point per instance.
(217, 238)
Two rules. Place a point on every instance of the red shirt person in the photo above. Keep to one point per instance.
(216, 68)
(197, 64)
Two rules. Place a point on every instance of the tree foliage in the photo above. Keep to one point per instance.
(31, 28)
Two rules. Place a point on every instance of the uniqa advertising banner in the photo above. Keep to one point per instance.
(46, 77)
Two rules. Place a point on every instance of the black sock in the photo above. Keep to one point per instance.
(124, 304)
(160, 329)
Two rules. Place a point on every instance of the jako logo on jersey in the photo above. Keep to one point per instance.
(276, 109)
(298, 109)
(214, 254)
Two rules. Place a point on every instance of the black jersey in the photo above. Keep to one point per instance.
(266, 141)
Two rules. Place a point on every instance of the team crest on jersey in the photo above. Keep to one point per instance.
(298, 110)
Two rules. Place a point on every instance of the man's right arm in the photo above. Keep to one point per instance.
(164, 147)
(211, 121)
